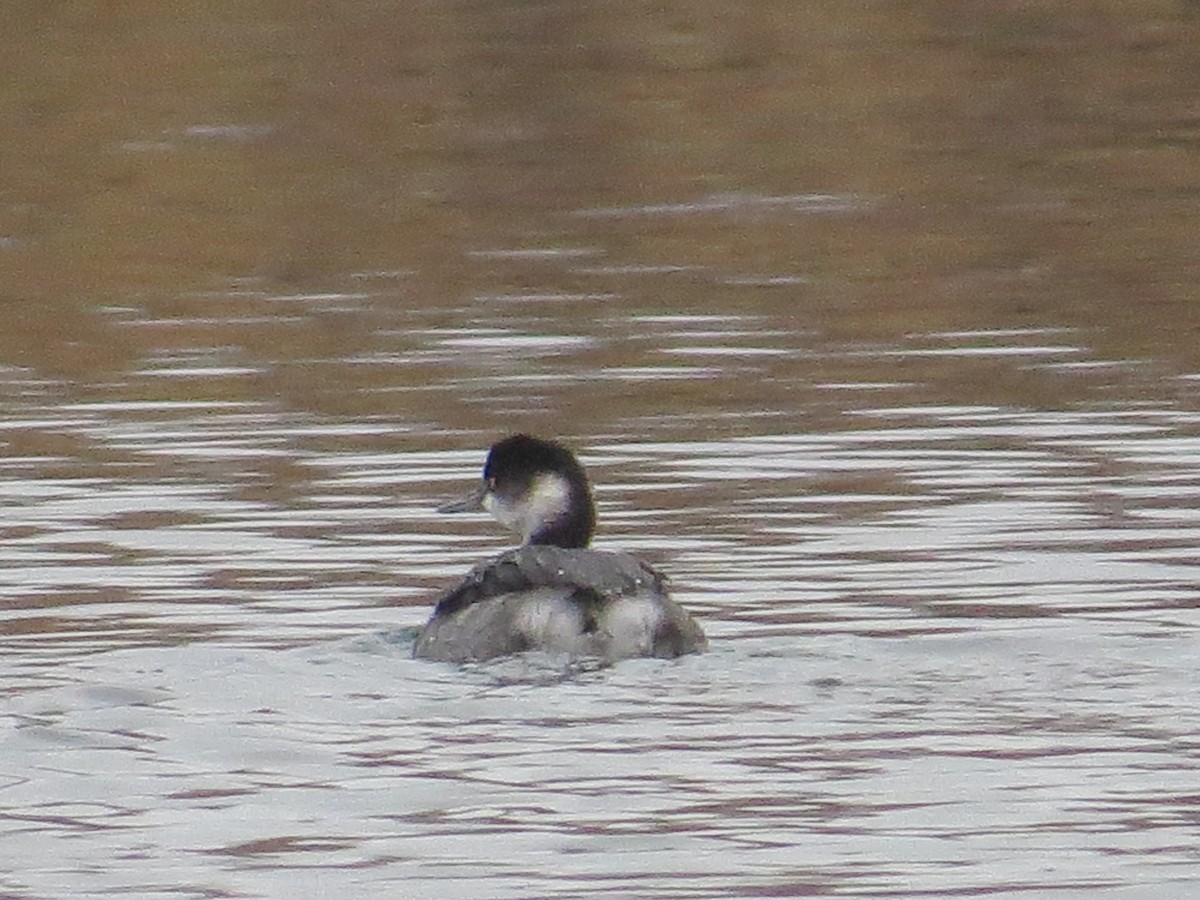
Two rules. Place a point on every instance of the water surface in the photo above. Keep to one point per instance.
(875, 327)
(953, 652)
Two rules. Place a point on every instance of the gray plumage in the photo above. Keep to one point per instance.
(552, 593)
(562, 600)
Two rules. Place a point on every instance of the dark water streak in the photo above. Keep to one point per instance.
(947, 659)
(875, 325)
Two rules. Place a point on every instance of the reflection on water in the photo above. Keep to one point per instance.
(953, 646)
(973, 762)
(876, 327)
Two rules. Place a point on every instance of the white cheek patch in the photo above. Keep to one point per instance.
(548, 498)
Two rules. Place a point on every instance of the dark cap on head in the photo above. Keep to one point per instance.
(512, 465)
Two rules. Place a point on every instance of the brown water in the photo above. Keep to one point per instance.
(876, 326)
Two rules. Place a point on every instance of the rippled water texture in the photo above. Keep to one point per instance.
(875, 328)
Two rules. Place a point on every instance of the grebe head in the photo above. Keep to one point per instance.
(536, 488)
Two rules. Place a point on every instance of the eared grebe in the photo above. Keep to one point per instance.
(551, 593)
